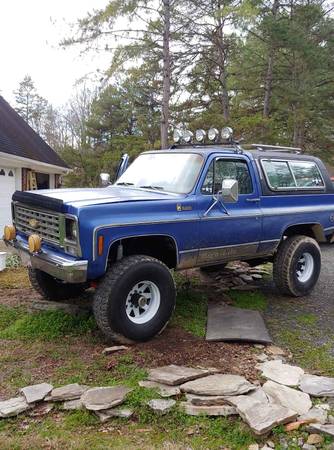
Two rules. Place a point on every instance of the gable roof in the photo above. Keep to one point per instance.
(17, 138)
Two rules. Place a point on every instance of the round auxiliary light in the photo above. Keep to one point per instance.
(187, 136)
(226, 133)
(9, 232)
(200, 135)
(213, 134)
(177, 135)
(34, 243)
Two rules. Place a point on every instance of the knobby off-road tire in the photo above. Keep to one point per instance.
(52, 289)
(125, 286)
(297, 265)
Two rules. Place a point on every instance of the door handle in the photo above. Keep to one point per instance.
(253, 200)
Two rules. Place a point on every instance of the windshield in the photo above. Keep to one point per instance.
(171, 172)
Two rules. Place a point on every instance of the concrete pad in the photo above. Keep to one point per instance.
(226, 323)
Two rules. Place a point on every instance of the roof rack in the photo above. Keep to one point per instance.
(233, 146)
(277, 148)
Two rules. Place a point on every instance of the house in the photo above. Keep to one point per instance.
(26, 160)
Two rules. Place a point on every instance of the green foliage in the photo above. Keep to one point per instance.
(248, 300)
(13, 261)
(45, 325)
(191, 308)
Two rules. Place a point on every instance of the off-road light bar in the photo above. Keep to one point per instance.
(213, 133)
(200, 135)
(226, 133)
(177, 135)
(187, 136)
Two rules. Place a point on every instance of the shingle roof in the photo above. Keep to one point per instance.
(19, 139)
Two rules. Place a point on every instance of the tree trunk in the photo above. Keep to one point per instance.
(166, 75)
(221, 48)
(268, 83)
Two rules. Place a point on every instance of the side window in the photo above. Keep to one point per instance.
(221, 169)
(306, 174)
(279, 174)
(292, 174)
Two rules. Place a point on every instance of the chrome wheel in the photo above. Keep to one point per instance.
(142, 302)
(305, 267)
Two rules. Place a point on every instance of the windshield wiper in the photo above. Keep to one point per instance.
(124, 183)
(159, 188)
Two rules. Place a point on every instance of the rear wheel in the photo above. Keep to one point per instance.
(297, 265)
(135, 299)
(52, 289)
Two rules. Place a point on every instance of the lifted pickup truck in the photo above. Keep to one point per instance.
(189, 206)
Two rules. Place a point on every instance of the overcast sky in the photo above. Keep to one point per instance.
(29, 35)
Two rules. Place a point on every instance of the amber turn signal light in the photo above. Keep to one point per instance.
(100, 244)
(34, 243)
(9, 232)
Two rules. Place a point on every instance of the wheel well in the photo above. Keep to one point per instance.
(160, 247)
(313, 230)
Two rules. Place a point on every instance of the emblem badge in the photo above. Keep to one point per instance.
(34, 223)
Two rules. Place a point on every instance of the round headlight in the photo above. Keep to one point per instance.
(177, 135)
(187, 136)
(226, 133)
(200, 135)
(213, 134)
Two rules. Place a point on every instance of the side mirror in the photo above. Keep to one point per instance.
(105, 179)
(229, 192)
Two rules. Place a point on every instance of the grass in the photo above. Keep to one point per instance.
(46, 325)
(248, 300)
(190, 312)
(14, 278)
(307, 319)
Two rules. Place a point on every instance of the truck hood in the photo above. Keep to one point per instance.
(112, 194)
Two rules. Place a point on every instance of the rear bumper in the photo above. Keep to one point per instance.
(61, 267)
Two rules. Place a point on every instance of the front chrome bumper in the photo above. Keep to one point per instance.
(61, 267)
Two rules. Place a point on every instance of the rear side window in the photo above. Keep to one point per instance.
(286, 175)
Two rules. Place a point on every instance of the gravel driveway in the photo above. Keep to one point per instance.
(312, 316)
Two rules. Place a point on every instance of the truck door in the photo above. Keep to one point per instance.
(230, 230)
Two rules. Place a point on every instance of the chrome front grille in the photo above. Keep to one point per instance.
(46, 224)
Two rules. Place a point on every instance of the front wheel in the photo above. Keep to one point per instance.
(52, 289)
(135, 299)
(297, 265)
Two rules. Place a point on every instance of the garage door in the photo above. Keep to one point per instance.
(7, 188)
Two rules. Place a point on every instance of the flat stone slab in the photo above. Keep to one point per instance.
(163, 389)
(315, 414)
(106, 414)
(68, 392)
(215, 410)
(174, 375)
(226, 323)
(13, 407)
(161, 406)
(318, 428)
(288, 397)
(317, 386)
(218, 384)
(209, 400)
(99, 398)
(281, 373)
(114, 349)
(36, 392)
(71, 405)
(262, 417)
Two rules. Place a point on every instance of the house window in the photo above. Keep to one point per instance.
(2, 172)
(10, 173)
(43, 180)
